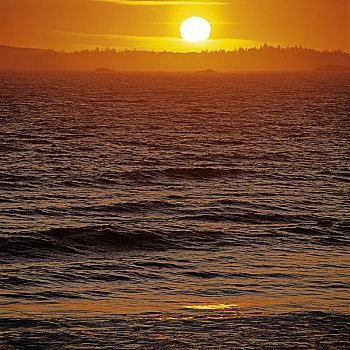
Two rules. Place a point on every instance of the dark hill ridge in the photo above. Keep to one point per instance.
(4, 48)
(266, 58)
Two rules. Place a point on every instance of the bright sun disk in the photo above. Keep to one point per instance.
(195, 29)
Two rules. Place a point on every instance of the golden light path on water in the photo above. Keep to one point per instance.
(211, 306)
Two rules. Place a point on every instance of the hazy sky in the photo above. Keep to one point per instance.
(154, 24)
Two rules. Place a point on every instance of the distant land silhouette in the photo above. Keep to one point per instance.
(263, 58)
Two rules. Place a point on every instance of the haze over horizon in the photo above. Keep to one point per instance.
(154, 25)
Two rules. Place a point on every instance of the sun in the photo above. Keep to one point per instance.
(195, 29)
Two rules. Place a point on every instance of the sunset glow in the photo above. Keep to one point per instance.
(154, 25)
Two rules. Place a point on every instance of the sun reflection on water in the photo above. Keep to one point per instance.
(211, 306)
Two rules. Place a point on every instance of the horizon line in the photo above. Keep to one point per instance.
(107, 49)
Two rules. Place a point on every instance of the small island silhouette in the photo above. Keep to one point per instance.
(207, 71)
(332, 68)
(104, 70)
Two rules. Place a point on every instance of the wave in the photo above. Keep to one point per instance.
(254, 218)
(110, 238)
(128, 207)
(107, 179)
(193, 173)
(79, 240)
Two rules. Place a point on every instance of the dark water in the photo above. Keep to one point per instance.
(174, 211)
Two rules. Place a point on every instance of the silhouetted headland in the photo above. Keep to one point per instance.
(332, 68)
(264, 58)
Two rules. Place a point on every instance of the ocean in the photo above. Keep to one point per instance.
(174, 210)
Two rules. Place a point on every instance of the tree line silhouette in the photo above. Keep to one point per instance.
(263, 58)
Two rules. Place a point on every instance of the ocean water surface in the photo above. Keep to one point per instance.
(174, 211)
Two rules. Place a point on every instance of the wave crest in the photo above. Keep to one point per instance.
(78, 240)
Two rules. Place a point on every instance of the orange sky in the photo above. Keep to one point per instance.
(154, 24)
